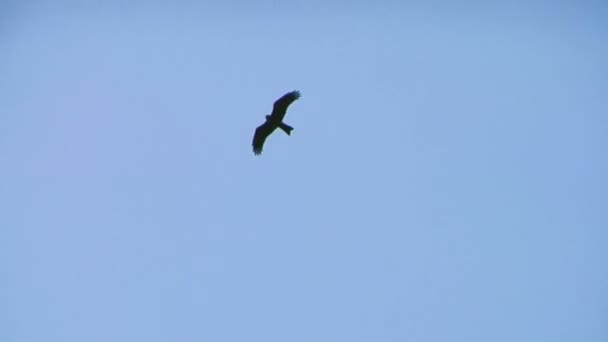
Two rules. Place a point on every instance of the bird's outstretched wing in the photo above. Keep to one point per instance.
(280, 105)
(260, 135)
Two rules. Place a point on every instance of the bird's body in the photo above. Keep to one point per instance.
(274, 121)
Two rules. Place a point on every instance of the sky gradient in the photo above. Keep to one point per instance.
(445, 180)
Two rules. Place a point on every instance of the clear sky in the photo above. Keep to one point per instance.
(445, 181)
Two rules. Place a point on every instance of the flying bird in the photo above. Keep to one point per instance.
(274, 121)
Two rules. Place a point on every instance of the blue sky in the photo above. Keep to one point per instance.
(445, 181)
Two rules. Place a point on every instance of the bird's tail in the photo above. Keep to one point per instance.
(286, 128)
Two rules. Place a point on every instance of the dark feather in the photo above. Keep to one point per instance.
(261, 133)
(280, 106)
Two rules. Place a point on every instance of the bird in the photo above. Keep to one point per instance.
(274, 120)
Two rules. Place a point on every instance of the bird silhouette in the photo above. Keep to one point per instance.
(274, 121)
